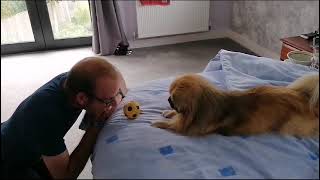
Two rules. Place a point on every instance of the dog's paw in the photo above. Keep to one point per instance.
(160, 124)
(169, 113)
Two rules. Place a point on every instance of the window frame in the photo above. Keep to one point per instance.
(42, 31)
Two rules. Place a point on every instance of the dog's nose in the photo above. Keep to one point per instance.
(171, 103)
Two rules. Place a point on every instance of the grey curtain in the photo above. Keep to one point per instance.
(107, 25)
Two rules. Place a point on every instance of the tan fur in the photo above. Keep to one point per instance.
(203, 109)
(308, 86)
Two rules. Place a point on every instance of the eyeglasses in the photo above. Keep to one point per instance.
(109, 101)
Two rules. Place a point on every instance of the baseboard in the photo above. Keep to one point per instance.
(158, 41)
(253, 46)
(213, 34)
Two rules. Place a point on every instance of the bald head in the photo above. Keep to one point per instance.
(83, 75)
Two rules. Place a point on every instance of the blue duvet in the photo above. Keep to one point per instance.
(134, 149)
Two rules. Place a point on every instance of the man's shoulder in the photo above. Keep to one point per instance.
(44, 99)
(55, 84)
(53, 87)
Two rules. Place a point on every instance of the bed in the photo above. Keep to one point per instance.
(134, 149)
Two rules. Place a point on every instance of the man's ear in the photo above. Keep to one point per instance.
(81, 99)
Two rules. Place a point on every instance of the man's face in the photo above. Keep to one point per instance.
(105, 98)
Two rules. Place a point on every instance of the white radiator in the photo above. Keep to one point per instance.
(177, 18)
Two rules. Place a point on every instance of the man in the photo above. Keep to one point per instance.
(32, 139)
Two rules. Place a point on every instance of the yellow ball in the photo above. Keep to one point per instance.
(132, 110)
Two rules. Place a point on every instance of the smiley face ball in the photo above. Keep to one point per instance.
(132, 110)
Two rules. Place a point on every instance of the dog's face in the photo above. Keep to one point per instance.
(189, 96)
(197, 101)
(183, 93)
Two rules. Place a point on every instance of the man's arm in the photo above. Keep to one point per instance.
(65, 166)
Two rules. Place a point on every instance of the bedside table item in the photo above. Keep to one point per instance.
(300, 57)
(294, 44)
(309, 35)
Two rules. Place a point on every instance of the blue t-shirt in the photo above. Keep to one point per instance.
(38, 126)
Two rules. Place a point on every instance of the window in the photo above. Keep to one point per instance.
(14, 16)
(38, 25)
(69, 19)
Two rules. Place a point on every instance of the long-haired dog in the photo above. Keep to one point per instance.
(200, 108)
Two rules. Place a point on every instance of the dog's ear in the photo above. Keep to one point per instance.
(210, 109)
(186, 114)
(187, 109)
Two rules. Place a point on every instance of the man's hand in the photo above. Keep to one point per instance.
(98, 121)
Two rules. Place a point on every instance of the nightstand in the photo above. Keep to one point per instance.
(293, 44)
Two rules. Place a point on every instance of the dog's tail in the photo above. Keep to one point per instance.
(309, 86)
